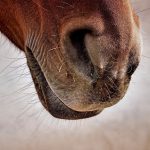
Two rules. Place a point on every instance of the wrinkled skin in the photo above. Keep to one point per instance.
(81, 53)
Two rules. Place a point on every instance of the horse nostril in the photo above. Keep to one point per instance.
(77, 39)
(75, 34)
(77, 52)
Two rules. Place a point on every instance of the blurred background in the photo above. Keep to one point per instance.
(25, 125)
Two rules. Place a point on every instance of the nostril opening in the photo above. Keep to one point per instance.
(77, 52)
(77, 40)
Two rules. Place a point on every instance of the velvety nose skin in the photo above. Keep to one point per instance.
(83, 56)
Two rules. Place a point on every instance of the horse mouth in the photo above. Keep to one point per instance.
(86, 107)
(48, 98)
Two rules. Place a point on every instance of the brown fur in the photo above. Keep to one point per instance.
(81, 53)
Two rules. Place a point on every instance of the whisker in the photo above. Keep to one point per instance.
(39, 5)
(146, 56)
(14, 58)
(61, 67)
(19, 68)
(6, 67)
(144, 10)
(66, 3)
(60, 7)
(25, 110)
(52, 49)
(20, 90)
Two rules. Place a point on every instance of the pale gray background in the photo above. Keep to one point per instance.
(25, 125)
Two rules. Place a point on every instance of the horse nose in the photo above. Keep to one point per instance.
(79, 39)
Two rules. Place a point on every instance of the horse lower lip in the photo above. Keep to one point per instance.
(47, 97)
